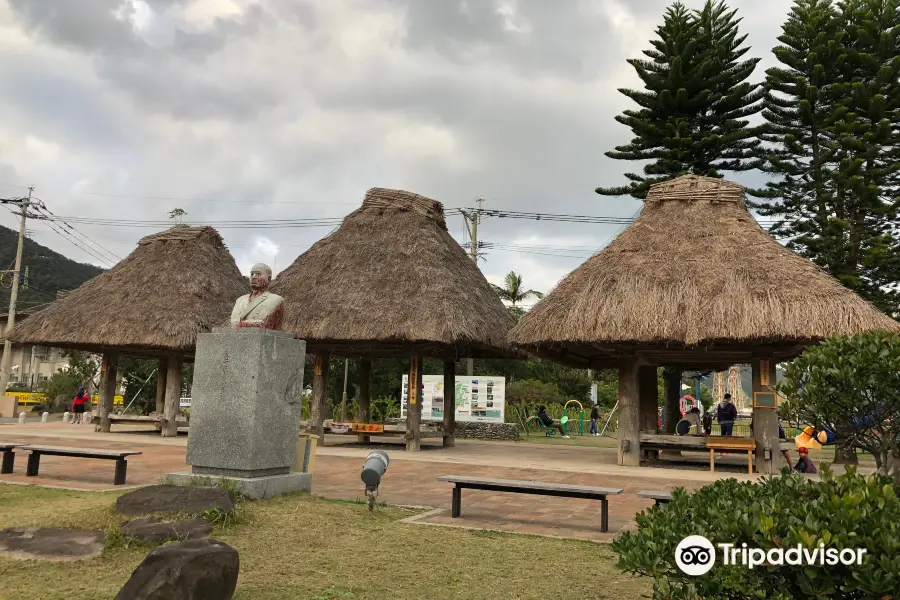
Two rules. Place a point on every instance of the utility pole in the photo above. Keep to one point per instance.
(473, 254)
(23, 203)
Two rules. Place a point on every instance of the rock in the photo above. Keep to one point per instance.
(489, 431)
(46, 543)
(169, 499)
(151, 529)
(197, 569)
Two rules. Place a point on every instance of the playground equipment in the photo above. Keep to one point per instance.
(580, 415)
(813, 439)
(687, 406)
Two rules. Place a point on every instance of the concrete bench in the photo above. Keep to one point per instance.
(156, 421)
(34, 459)
(530, 487)
(9, 457)
(658, 497)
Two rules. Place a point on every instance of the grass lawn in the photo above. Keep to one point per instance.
(300, 547)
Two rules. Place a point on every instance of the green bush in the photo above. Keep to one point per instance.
(533, 392)
(847, 511)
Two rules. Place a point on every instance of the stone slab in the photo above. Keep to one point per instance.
(152, 529)
(246, 395)
(255, 488)
(170, 499)
(49, 543)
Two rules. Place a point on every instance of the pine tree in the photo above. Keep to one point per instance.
(693, 108)
(866, 126)
(799, 107)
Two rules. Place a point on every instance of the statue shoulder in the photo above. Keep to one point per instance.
(275, 298)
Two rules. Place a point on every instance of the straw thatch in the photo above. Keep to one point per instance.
(174, 285)
(391, 280)
(695, 279)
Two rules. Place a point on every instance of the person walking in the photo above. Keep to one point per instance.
(595, 420)
(78, 406)
(726, 415)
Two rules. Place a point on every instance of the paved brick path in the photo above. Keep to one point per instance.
(411, 479)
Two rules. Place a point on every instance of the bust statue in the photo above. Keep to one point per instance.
(259, 308)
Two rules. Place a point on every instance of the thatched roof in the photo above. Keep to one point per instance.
(694, 280)
(174, 285)
(389, 281)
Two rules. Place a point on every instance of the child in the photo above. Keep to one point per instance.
(804, 465)
(81, 398)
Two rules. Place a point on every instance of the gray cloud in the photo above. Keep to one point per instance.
(277, 109)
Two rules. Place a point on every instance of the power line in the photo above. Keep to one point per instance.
(74, 241)
(43, 207)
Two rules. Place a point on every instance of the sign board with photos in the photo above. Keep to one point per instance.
(477, 398)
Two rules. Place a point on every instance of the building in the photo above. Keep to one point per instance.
(32, 364)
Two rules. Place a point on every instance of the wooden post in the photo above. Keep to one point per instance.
(765, 420)
(161, 387)
(672, 403)
(629, 452)
(107, 389)
(414, 406)
(449, 404)
(173, 395)
(319, 396)
(365, 396)
(649, 403)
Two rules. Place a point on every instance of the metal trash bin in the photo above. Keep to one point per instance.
(306, 452)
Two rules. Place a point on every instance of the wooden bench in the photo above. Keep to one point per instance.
(658, 497)
(9, 457)
(727, 442)
(530, 487)
(157, 421)
(34, 459)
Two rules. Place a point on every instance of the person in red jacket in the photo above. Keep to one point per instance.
(78, 405)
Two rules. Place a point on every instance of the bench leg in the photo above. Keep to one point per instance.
(604, 515)
(9, 459)
(34, 462)
(750, 462)
(121, 466)
(457, 502)
(712, 460)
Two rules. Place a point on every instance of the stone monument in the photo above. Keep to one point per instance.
(245, 399)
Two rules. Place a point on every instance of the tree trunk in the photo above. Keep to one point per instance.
(845, 454)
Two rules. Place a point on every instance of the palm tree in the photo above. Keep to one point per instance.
(513, 292)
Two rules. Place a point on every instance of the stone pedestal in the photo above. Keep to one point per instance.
(245, 411)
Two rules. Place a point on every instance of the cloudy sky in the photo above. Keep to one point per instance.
(249, 110)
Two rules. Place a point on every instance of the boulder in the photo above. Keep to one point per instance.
(193, 570)
(152, 529)
(170, 499)
(49, 543)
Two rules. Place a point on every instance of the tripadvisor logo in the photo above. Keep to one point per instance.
(695, 555)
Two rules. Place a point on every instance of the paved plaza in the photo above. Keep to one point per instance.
(411, 479)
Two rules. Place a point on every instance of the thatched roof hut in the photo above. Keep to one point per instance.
(694, 281)
(392, 281)
(174, 285)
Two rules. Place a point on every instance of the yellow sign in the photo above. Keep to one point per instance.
(368, 427)
(35, 398)
(413, 379)
(764, 373)
(318, 369)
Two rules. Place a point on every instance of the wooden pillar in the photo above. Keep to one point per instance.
(172, 405)
(319, 396)
(765, 420)
(449, 404)
(365, 396)
(107, 389)
(161, 387)
(672, 402)
(649, 403)
(629, 452)
(414, 405)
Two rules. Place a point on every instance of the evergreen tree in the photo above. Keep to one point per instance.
(866, 126)
(693, 108)
(799, 108)
(833, 112)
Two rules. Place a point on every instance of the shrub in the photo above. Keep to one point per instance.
(848, 511)
(533, 392)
